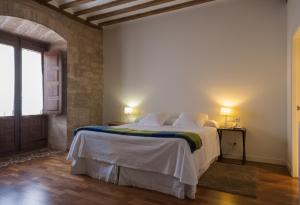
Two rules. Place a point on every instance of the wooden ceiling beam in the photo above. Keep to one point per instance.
(154, 12)
(45, 3)
(103, 6)
(74, 3)
(128, 9)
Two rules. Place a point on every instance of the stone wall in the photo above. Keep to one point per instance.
(84, 65)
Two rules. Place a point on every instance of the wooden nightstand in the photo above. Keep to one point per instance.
(240, 130)
(116, 123)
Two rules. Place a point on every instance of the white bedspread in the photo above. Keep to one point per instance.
(168, 156)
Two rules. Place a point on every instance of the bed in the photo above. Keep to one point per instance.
(166, 165)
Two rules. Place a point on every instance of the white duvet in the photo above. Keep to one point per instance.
(167, 156)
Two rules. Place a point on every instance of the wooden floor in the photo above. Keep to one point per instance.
(48, 181)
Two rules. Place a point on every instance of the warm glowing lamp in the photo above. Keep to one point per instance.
(226, 111)
(128, 110)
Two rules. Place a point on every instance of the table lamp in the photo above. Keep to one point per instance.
(226, 111)
(128, 111)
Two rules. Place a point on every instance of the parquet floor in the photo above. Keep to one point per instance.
(48, 181)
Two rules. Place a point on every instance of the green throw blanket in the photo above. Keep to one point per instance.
(191, 138)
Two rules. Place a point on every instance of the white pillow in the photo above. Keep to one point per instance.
(138, 119)
(171, 119)
(185, 120)
(201, 119)
(211, 123)
(191, 120)
(153, 119)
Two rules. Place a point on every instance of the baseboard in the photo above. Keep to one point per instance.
(259, 159)
(289, 166)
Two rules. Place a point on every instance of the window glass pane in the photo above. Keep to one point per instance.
(7, 80)
(32, 83)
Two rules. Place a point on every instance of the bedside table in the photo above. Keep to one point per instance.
(116, 123)
(240, 130)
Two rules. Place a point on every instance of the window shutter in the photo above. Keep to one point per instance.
(52, 82)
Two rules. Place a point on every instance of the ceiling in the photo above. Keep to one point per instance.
(99, 13)
(29, 29)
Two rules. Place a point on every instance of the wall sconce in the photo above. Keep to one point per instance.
(226, 111)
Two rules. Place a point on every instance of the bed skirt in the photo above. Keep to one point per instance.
(131, 177)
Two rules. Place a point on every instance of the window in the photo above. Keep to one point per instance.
(32, 83)
(30, 78)
(28, 75)
(7, 80)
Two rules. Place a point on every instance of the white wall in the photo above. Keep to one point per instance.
(293, 24)
(197, 59)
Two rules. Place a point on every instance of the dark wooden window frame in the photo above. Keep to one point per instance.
(19, 43)
(34, 46)
(14, 41)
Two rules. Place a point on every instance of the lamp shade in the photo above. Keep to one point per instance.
(128, 110)
(227, 111)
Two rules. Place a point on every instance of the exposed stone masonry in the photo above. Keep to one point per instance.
(84, 67)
